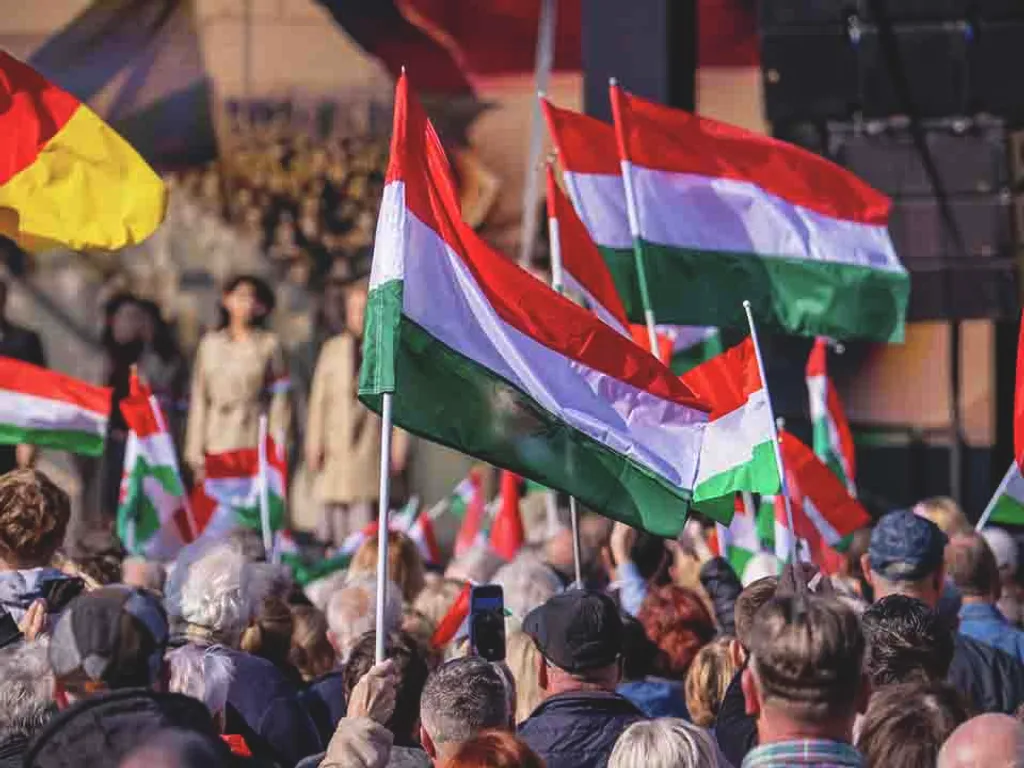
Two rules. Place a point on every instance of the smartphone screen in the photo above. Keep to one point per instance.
(487, 622)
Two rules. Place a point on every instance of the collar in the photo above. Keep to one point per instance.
(820, 752)
(980, 612)
(605, 702)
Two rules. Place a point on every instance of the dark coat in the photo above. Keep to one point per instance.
(324, 699)
(723, 587)
(735, 730)
(991, 680)
(578, 729)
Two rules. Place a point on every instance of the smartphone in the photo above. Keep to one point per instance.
(487, 622)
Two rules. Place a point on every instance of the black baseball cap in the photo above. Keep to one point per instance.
(577, 630)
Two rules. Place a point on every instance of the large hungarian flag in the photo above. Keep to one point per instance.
(51, 410)
(483, 357)
(833, 440)
(1008, 506)
(153, 518)
(724, 215)
(66, 177)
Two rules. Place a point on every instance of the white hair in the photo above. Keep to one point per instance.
(527, 583)
(202, 673)
(26, 689)
(319, 592)
(665, 743)
(352, 611)
(209, 589)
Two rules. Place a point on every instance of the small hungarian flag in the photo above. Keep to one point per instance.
(415, 523)
(450, 623)
(1018, 402)
(153, 518)
(1008, 507)
(833, 441)
(506, 370)
(725, 215)
(467, 502)
(750, 533)
(507, 534)
(66, 178)
(45, 408)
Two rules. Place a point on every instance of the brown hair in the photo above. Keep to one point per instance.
(494, 749)
(405, 566)
(972, 566)
(753, 596)
(270, 634)
(907, 724)
(676, 619)
(34, 514)
(706, 682)
(945, 513)
(807, 655)
(311, 653)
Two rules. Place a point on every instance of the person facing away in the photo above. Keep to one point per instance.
(665, 743)
(905, 557)
(25, 345)
(804, 682)
(906, 641)
(972, 568)
(579, 636)
(239, 372)
(992, 740)
(26, 698)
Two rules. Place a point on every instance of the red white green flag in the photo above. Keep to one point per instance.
(833, 440)
(724, 215)
(1007, 506)
(481, 356)
(467, 502)
(507, 535)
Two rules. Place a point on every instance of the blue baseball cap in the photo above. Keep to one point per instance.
(906, 547)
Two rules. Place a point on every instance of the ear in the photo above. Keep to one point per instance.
(427, 743)
(542, 672)
(751, 692)
(865, 566)
(864, 694)
(737, 653)
(333, 640)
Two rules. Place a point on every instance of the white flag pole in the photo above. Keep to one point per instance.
(779, 465)
(384, 502)
(558, 283)
(990, 507)
(264, 479)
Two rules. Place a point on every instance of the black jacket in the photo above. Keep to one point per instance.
(990, 680)
(723, 587)
(324, 699)
(579, 729)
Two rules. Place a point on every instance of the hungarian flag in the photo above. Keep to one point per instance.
(467, 503)
(67, 179)
(505, 369)
(833, 441)
(452, 621)
(153, 517)
(415, 523)
(751, 533)
(45, 408)
(1018, 403)
(507, 533)
(692, 345)
(737, 453)
(1008, 507)
(724, 215)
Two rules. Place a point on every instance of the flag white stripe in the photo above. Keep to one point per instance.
(157, 449)
(828, 533)
(599, 309)
(729, 440)
(600, 202)
(33, 412)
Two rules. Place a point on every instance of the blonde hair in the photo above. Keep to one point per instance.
(311, 652)
(405, 566)
(707, 680)
(945, 513)
(437, 597)
(521, 656)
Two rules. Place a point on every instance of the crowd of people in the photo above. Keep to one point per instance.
(661, 658)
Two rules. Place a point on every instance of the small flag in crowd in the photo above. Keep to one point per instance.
(153, 518)
(452, 621)
(415, 523)
(805, 241)
(1018, 402)
(505, 369)
(507, 534)
(45, 408)
(833, 440)
(745, 537)
(66, 178)
(467, 502)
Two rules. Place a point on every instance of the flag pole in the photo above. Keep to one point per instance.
(783, 485)
(261, 453)
(558, 283)
(384, 501)
(991, 506)
(638, 253)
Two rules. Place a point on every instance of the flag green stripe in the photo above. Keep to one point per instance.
(759, 475)
(138, 507)
(84, 443)
(249, 516)
(447, 398)
(687, 359)
(796, 296)
(1008, 511)
(304, 573)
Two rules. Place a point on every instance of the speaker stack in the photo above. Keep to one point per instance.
(832, 74)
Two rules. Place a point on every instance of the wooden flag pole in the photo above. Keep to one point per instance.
(991, 506)
(779, 465)
(264, 485)
(382, 523)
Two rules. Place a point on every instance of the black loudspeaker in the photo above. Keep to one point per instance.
(809, 74)
(984, 223)
(986, 289)
(649, 46)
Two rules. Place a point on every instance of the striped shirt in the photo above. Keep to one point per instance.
(804, 752)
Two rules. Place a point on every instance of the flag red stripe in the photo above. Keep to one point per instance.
(814, 480)
(817, 365)
(243, 462)
(28, 379)
(662, 138)
(519, 299)
(449, 625)
(584, 143)
(474, 516)
(32, 111)
(726, 381)
(1018, 403)
(507, 531)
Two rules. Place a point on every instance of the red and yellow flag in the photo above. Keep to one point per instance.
(66, 177)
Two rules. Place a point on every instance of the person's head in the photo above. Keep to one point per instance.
(332, 314)
(355, 305)
(111, 638)
(905, 557)
(804, 678)
(906, 641)
(706, 682)
(144, 574)
(246, 301)
(405, 565)
(351, 612)
(749, 602)
(664, 743)
(177, 748)
(311, 653)
(208, 591)
(411, 667)
(945, 513)
(906, 724)
(971, 566)
(461, 698)
(579, 636)
(527, 582)
(522, 658)
(987, 741)
(26, 690)
(125, 324)
(677, 621)
(437, 597)
(269, 636)
(494, 749)
(34, 514)
(204, 674)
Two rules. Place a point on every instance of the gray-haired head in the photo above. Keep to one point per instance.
(209, 590)
(462, 698)
(202, 673)
(665, 743)
(351, 612)
(527, 582)
(26, 690)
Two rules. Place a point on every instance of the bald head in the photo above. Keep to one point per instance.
(987, 741)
